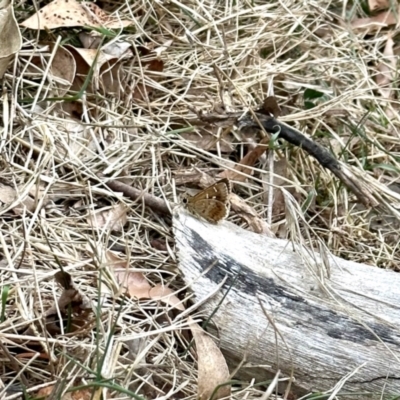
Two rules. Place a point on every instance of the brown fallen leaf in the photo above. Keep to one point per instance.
(271, 107)
(112, 77)
(242, 170)
(166, 295)
(212, 368)
(62, 70)
(70, 296)
(381, 20)
(70, 13)
(136, 285)
(10, 36)
(9, 195)
(378, 4)
(150, 63)
(132, 282)
(51, 391)
(256, 224)
(113, 218)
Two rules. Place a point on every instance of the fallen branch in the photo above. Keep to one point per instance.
(281, 309)
(293, 136)
(154, 203)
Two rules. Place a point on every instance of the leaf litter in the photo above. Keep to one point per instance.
(145, 83)
(70, 13)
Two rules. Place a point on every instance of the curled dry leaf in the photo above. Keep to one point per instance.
(378, 4)
(10, 36)
(381, 20)
(257, 224)
(107, 72)
(90, 40)
(113, 218)
(242, 170)
(271, 107)
(69, 13)
(212, 368)
(71, 295)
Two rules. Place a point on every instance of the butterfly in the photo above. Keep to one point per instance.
(212, 203)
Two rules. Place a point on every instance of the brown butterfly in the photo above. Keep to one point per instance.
(212, 203)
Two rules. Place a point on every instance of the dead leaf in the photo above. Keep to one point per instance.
(381, 20)
(81, 394)
(112, 78)
(159, 50)
(80, 143)
(387, 70)
(118, 49)
(378, 5)
(256, 224)
(271, 107)
(134, 283)
(242, 170)
(70, 296)
(90, 40)
(113, 218)
(8, 196)
(62, 70)
(70, 13)
(10, 36)
(212, 368)
(166, 295)
(150, 63)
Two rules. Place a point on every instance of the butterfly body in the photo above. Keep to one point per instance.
(212, 203)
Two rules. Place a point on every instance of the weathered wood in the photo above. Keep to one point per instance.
(326, 324)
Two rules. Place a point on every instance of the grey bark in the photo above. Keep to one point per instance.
(286, 307)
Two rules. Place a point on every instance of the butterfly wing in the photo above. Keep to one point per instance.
(210, 209)
(212, 203)
(219, 191)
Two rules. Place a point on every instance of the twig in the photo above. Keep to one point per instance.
(154, 203)
(293, 136)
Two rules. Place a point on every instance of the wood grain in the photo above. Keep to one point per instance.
(324, 321)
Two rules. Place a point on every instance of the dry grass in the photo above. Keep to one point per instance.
(237, 50)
